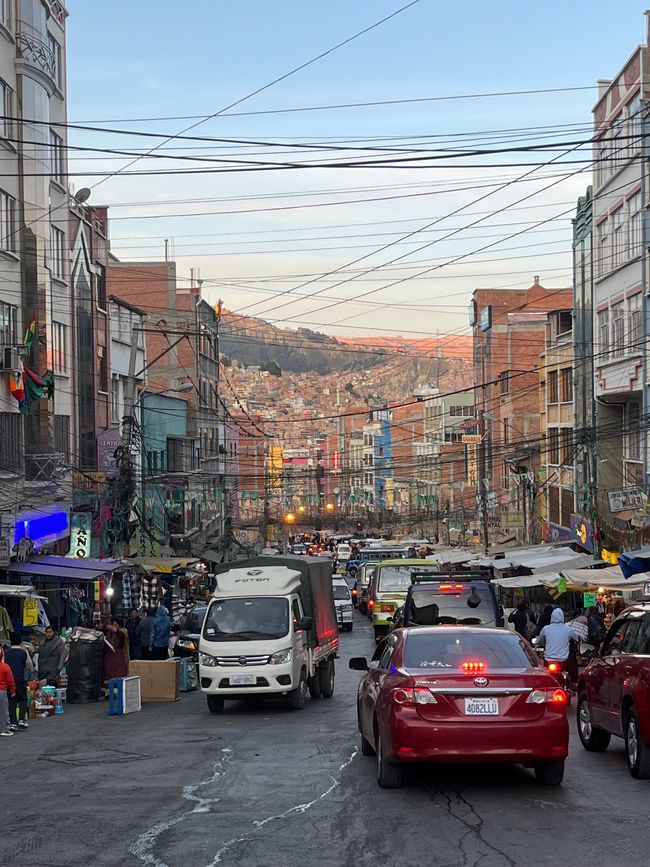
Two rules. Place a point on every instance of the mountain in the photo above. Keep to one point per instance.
(253, 342)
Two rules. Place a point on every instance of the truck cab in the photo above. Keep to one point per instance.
(269, 630)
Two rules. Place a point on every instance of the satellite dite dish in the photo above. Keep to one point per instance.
(82, 195)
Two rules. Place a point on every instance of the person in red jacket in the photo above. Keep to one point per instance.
(7, 688)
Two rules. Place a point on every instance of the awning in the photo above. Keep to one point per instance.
(633, 562)
(163, 565)
(451, 555)
(19, 591)
(62, 573)
(577, 579)
(579, 561)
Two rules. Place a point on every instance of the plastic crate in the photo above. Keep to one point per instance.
(123, 695)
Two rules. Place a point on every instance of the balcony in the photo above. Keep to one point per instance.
(37, 53)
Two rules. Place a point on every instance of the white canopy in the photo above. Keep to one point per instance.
(19, 591)
(579, 579)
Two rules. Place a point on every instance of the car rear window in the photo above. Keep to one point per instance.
(194, 620)
(449, 648)
(450, 604)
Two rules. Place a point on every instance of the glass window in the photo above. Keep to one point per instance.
(101, 286)
(385, 657)
(115, 399)
(103, 369)
(6, 104)
(435, 606)
(566, 436)
(603, 248)
(635, 217)
(613, 643)
(634, 323)
(56, 157)
(618, 328)
(618, 245)
(633, 627)
(247, 619)
(5, 12)
(8, 324)
(58, 257)
(566, 382)
(7, 222)
(55, 51)
(449, 649)
(642, 644)
(194, 620)
(340, 592)
(553, 386)
(59, 347)
(633, 432)
(295, 611)
(554, 446)
(603, 330)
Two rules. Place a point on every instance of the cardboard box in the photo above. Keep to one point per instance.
(160, 680)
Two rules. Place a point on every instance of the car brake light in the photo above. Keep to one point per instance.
(473, 667)
(371, 604)
(553, 667)
(548, 696)
(386, 608)
(446, 587)
(413, 696)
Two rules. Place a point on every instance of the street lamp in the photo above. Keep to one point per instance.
(329, 507)
(290, 518)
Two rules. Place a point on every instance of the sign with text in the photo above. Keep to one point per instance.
(107, 442)
(5, 553)
(80, 537)
(472, 465)
(471, 438)
(581, 531)
(620, 501)
(30, 612)
(468, 424)
(588, 599)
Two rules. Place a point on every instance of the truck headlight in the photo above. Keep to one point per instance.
(281, 657)
(208, 660)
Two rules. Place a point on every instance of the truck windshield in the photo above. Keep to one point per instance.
(394, 579)
(247, 619)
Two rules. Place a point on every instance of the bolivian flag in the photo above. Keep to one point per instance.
(30, 334)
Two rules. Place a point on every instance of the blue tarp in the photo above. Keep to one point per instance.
(633, 562)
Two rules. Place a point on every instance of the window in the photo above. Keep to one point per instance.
(633, 626)
(6, 104)
(618, 238)
(633, 432)
(613, 643)
(553, 395)
(635, 217)
(567, 448)
(59, 347)
(634, 125)
(55, 50)
(5, 12)
(101, 286)
(603, 159)
(643, 636)
(7, 222)
(8, 324)
(554, 446)
(554, 504)
(505, 431)
(11, 441)
(566, 507)
(603, 248)
(504, 382)
(56, 157)
(385, 657)
(103, 369)
(634, 323)
(564, 322)
(566, 384)
(603, 330)
(115, 399)
(57, 244)
(618, 328)
(62, 435)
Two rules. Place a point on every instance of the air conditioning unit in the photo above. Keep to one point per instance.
(9, 358)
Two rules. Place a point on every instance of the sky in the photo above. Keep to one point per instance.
(267, 241)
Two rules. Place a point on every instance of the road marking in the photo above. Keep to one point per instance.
(142, 847)
(292, 811)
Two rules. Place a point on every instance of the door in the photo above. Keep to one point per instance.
(604, 670)
(621, 673)
(379, 665)
(300, 640)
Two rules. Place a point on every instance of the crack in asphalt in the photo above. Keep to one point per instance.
(298, 809)
(142, 847)
(473, 828)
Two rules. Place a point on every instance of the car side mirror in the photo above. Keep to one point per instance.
(305, 623)
(586, 647)
(358, 663)
(390, 619)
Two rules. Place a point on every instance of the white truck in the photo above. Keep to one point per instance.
(270, 629)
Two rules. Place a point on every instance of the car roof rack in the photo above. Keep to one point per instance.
(439, 577)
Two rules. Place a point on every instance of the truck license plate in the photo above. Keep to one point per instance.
(481, 707)
(242, 680)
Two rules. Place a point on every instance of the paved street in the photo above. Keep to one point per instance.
(261, 785)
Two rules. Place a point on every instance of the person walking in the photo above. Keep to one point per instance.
(143, 636)
(52, 656)
(545, 617)
(115, 661)
(132, 625)
(519, 617)
(20, 663)
(160, 630)
(7, 689)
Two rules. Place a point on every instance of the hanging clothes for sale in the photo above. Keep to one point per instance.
(151, 591)
(131, 590)
(6, 627)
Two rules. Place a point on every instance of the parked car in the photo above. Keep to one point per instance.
(460, 694)
(343, 604)
(191, 630)
(614, 690)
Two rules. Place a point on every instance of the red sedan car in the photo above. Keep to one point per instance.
(460, 694)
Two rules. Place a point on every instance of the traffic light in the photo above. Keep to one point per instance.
(359, 527)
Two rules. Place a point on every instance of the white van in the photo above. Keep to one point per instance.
(343, 551)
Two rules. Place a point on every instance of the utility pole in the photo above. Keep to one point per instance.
(482, 494)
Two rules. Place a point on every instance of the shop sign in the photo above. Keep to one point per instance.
(468, 424)
(581, 532)
(620, 501)
(556, 533)
(5, 553)
(30, 612)
(80, 538)
(472, 465)
(561, 584)
(473, 439)
(588, 599)
(107, 443)
(513, 520)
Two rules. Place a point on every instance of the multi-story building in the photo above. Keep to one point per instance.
(35, 445)
(619, 288)
(558, 457)
(509, 336)
(183, 355)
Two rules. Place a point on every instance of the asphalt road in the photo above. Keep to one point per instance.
(263, 786)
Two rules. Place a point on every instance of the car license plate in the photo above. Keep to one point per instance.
(242, 680)
(481, 707)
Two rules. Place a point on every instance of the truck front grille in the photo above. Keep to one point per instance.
(242, 661)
